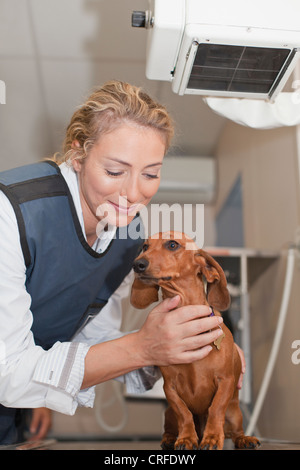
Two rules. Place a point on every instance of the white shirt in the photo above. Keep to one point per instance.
(29, 376)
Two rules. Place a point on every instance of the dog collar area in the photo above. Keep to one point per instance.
(219, 340)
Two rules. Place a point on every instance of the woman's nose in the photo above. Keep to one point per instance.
(131, 190)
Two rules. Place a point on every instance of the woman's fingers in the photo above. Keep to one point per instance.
(179, 335)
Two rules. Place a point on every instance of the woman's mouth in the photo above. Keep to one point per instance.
(122, 209)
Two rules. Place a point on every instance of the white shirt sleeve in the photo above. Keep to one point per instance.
(29, 376)
(107, 326)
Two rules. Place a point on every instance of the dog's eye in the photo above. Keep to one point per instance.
(145, 247)
(172, 245)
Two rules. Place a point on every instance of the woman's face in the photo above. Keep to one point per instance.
(120, 175)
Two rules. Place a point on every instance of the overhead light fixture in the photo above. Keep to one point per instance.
(218, 48)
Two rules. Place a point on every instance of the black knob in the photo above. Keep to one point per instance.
(138, 19)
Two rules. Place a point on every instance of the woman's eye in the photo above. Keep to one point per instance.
(151, 177)
(114, 173)
(172, 245)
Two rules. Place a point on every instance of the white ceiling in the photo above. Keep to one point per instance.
(53, 52)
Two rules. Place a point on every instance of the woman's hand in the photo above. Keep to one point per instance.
(40, 423)
(181, 335)
(241, 353)
(169, 335)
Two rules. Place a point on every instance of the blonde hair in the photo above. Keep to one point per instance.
(109, 106)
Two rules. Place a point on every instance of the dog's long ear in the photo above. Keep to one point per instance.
(217, 292)
(142, 294)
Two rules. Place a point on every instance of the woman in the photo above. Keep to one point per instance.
(60, 266)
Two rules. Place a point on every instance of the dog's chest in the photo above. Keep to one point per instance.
(195, 385)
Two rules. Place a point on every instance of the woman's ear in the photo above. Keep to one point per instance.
(142, 294)
(76, 163)
(217, 292)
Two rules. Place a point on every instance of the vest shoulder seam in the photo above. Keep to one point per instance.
(21, 224)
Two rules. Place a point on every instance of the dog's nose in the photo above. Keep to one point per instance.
(140, 265)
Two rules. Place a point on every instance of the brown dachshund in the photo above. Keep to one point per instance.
(202, 396)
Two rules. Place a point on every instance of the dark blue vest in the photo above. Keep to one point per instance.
(68, 281)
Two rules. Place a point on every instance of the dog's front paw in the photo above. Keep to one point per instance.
(246, 442)
(167, 443)
(186, 444)
(212, 442)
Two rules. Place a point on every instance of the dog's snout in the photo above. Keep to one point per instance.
(140, 265)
